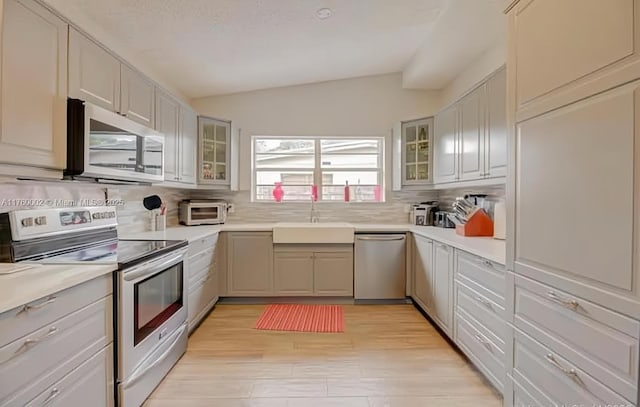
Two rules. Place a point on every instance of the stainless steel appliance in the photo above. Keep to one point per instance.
(151, 310)
(442, 220)
(108, 147)
(423, 214)
(202, 212)
(380, 267)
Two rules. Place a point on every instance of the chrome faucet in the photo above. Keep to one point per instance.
(313, 216)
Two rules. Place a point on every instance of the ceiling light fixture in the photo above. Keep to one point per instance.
(324, 13)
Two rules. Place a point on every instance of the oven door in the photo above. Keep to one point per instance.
(118, 148)
(152, 305)
(202, 214)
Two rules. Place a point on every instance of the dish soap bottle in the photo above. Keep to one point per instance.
(346, 191)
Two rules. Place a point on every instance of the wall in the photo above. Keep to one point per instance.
(492, 59)
(366, 106)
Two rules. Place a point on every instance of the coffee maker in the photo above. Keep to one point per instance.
(423, 214)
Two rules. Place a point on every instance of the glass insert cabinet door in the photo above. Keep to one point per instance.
(214, 139)
(417, 157)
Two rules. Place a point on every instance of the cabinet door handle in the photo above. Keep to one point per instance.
(571, 373)
(29, 307)
(567, 303)
(52, 395)
(484, 262)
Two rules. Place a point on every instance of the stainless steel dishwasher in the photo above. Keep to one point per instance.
(380, 269)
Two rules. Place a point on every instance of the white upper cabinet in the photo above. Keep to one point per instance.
(167, 122)
(138, 97)
(214, 137)
(34, 87)
(446, 145)
(496, 134)
(582, 43)
(188, 145)
(94, 73)
(97, 76)
(472, 128)
(417, 142)
(470, 141)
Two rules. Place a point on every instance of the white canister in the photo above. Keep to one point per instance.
(500, 221)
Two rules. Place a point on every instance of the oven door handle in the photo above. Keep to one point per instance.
(143, 370)
(153, 267)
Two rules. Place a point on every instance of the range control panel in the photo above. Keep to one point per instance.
(31, 223)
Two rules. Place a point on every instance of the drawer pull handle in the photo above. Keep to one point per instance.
(28, 343)
(54, 393)
(571, 304)
(484, 302)
(571, 373)
(484, 342)
(29, 307)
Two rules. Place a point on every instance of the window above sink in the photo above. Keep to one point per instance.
(329, 163)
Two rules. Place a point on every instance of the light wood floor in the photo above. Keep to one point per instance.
(389, 355)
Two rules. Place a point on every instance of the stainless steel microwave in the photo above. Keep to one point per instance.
(202, 212)
(106, 146)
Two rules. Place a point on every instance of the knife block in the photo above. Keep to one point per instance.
(479, 224)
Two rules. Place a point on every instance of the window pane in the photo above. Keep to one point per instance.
(291, 193)
(357, 193)
(292, 146)
(354, 177)
(287, 178)
(285, 161)
(347, 146)
(350, 161)
(423, 152)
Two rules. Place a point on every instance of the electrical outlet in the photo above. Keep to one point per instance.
(231, 208)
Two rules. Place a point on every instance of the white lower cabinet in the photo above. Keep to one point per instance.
(202, 279)
(91, 383)
(58, 350)
(443, 286)
(313, 271)
(422, 272)
(249, 264)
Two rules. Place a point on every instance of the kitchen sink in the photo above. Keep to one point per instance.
(301, 232)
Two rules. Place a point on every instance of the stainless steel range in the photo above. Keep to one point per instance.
(150, 283)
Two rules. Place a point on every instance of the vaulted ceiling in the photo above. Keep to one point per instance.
(208, 47)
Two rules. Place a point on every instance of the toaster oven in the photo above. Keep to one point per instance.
(202, 212)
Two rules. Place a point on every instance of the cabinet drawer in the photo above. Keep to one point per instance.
(488, 357)
(91, 384)
(595, 339)
(487, 314)
(23, 320)
(200, 296)
(200, 264)
(482, 275)
(78, 335)
(557, 378)
(202, 244)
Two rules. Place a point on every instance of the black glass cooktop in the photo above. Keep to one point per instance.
(123, 252)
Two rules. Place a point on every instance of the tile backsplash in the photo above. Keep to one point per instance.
(391, 211)
(133, 217)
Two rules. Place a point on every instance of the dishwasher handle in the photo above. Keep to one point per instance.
(381, 238)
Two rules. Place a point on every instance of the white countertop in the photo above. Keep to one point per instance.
(41, 280)
(486, 247)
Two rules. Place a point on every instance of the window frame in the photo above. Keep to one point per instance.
(318, 170)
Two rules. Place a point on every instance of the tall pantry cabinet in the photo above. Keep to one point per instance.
(574, 120)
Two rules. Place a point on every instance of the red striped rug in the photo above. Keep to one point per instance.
(302, 318)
